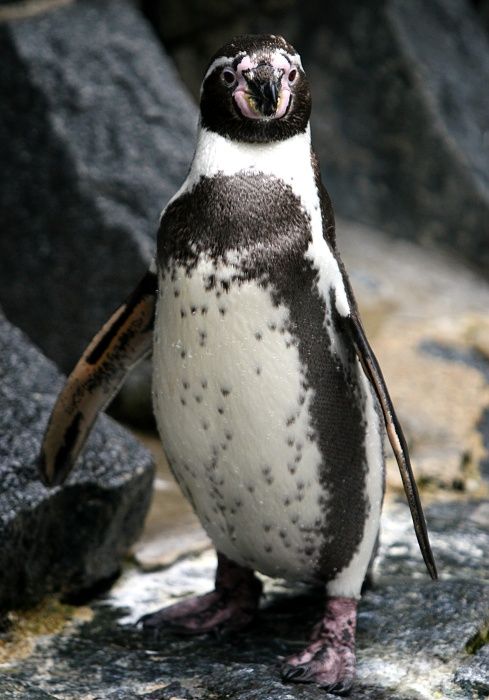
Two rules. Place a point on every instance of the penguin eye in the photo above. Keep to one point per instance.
(292, 76)
(228, 76)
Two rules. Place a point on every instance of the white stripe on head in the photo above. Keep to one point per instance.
(294, 59)
(221, 61)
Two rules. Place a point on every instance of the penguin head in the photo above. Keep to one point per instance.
(255, 90)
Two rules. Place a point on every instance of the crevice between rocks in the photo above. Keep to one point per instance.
(478, 640)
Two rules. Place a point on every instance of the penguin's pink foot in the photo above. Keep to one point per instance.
(329, 660)
(231, 606)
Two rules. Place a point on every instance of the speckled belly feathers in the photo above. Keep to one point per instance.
(264, 426)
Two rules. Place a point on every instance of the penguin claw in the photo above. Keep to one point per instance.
(310, 673)
(293, 673)
(341, 688)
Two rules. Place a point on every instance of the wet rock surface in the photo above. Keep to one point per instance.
(96, 134)
(71, 538)
(413, 635)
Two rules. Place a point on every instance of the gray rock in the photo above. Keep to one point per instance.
(401, 118)
(473, 675)
(412, 633)
(482, 7)
(71, 538)
(96, 133)
(11, 689)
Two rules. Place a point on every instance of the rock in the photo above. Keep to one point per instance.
(172, 530)
(11, 689)
(482, 7)
(72, 538)
(400, 105)
(400, 118)
(412, 633)
(96, 133)
(473, 676)
(425, 316)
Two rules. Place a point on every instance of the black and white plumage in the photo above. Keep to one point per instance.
(268, 398)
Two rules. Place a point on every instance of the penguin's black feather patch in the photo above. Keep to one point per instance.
(262, 218)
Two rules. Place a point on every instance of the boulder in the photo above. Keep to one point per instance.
(71, 538)
(96, 133)
(400, 118)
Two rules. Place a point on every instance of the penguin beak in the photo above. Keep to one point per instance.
(261, 93)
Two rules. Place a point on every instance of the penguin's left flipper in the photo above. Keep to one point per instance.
(124, 340)
(354, 328)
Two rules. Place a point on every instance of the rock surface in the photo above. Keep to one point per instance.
(426, 316)
(399, 104)
(413, 635)
(71, 538)
(96, 133)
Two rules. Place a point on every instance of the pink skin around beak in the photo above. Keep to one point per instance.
(241, 93)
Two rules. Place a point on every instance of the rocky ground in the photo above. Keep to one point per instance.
(427, 317)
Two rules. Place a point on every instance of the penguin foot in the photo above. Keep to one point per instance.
(230, 607)
(329, 660)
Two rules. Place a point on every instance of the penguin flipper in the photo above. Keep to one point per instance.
(394, 431)
(115, 349)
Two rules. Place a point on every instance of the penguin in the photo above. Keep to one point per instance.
(270, 403)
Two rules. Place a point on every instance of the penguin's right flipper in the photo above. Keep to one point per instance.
(118, 346)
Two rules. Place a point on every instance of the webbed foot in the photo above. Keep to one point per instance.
(231, 606)
(329, 660)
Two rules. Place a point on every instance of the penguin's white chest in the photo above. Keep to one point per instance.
(232, 405)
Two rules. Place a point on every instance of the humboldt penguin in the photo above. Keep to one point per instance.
(269, 401)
